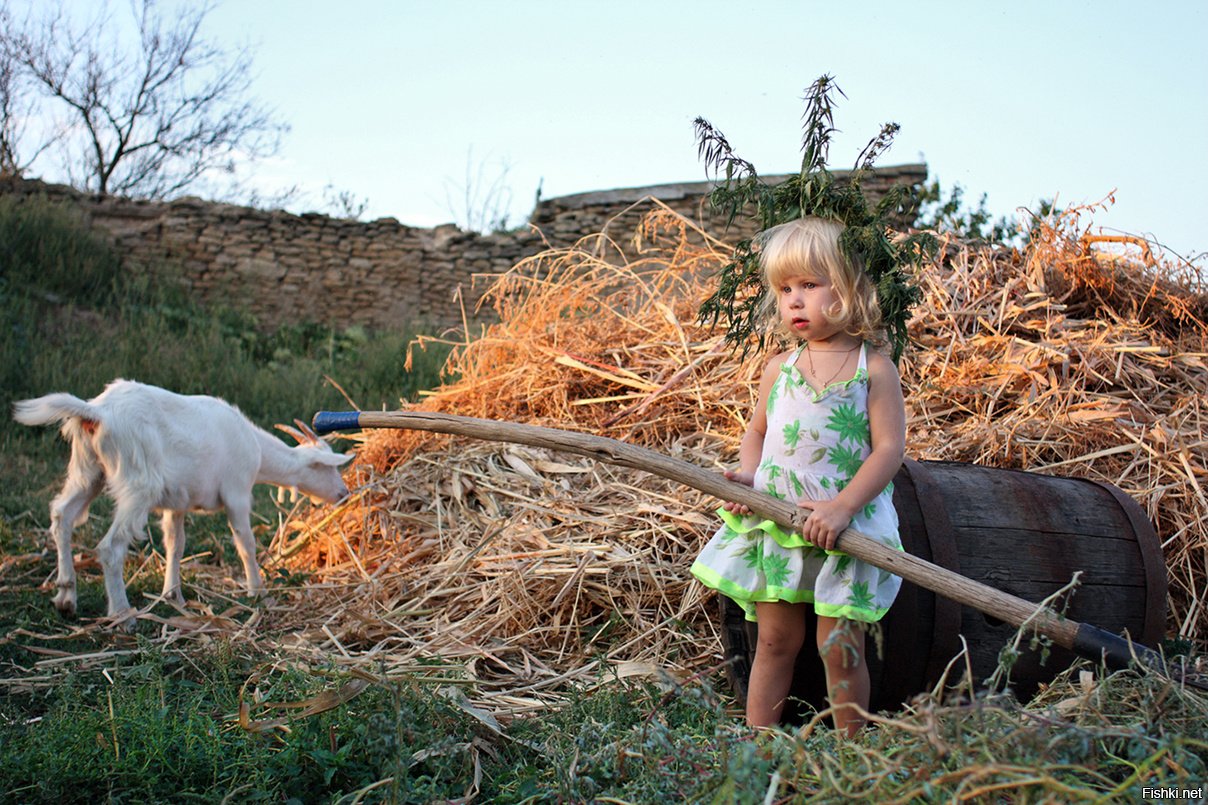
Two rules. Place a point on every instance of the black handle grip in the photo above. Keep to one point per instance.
(328, 421)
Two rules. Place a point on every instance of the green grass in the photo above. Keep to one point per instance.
(162, 726)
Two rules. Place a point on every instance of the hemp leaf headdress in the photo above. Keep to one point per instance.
(815, 191)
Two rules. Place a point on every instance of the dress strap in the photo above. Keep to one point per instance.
(863, 364)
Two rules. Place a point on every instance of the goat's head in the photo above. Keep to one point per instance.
(319, 474)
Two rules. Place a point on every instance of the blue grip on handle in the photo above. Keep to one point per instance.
(327, 421)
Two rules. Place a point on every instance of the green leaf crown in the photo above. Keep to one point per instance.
(815, 191)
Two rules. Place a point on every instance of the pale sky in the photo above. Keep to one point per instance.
(390, 100)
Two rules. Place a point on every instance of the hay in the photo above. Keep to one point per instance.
(1067, 362)
(533, 569)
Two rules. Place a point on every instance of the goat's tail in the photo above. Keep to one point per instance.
(54, 408)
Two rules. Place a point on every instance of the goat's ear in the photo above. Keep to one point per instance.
(332, 459)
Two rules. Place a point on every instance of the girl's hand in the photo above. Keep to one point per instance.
(827, 520)
(744, 478)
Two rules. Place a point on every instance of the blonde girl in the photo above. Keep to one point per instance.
(827, 433)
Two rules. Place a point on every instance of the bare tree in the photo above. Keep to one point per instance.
(10, 117)
(147, 120)
(16, 108)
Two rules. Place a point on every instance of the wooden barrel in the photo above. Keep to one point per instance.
(1020, 532)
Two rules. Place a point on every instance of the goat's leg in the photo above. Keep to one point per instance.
(128, 523)
(68, 510)
(239, 517)
(173, 524)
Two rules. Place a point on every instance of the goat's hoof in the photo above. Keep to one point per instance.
(122, 621)
(65, 606)
(125, 626)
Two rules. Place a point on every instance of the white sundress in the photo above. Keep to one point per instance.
(814, 444)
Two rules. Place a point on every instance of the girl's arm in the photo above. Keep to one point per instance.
(750, 450)
(887, 426)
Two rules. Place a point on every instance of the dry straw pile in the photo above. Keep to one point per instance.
(530, 569)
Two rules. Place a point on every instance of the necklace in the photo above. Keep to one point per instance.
(809, 356)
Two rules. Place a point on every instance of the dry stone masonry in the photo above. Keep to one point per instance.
(382, 274)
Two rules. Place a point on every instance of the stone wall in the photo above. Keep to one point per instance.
(567, 218)
(283, 267)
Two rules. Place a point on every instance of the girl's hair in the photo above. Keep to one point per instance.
(809, 247)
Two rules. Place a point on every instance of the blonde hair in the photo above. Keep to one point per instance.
(809, 247)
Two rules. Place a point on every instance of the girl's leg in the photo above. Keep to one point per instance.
(841, 646)
(781, 635)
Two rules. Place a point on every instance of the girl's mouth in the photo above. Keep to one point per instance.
(801, 323)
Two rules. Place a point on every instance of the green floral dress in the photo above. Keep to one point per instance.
(814, 444)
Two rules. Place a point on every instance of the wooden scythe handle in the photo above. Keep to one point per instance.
(1086, 640)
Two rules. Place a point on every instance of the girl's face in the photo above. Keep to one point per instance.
(801, 301)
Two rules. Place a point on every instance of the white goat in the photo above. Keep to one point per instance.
(156, 450)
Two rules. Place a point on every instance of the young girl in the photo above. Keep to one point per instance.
(828, 433)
